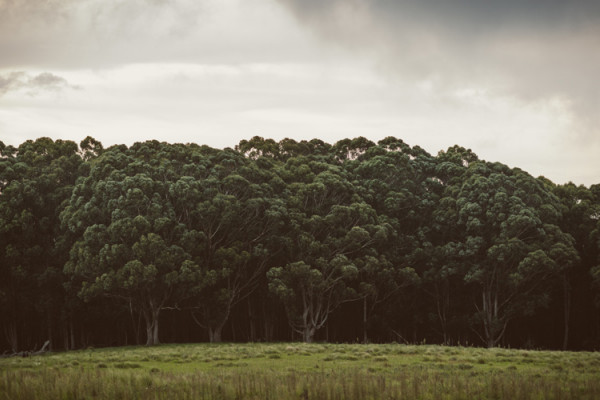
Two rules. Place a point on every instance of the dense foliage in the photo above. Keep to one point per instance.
(356, 241)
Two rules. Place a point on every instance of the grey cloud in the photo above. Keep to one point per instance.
(11, 81)
(92, 33)
(532, 50)
(455, 29)
(100, 34)
(18, 80)
(461, 15)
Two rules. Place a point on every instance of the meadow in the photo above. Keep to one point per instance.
(302, 371)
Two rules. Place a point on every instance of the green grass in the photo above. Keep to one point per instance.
(302, 371)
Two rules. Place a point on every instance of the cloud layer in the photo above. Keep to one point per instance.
(514, 80)
(76, 34)
(534, 50)
(90, 33)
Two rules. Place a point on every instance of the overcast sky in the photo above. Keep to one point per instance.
(515, 81)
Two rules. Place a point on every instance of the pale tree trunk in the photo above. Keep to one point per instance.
(149, 336)
(155, 331)
(214, 329)
(314, 316)
(215, 322)
(488, 319)
(442, 304)
(215, 333)
(308, 334)
(151, 317)
(309, 326)
(308, 329)
(493, 326)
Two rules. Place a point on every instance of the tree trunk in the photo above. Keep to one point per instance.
(155, 332)
(68, 335)
(567, 311)
(135, 323)
(12, 337)
(50, 331)
(72, 332)
(365, 338)
(269, 330)
(215, 333)
(252, 320)
(442, 299)
(233, 330)
(66, 338)
(151, 317)
(149, 336)
(308, 334)
(269, 326)
(493, 326)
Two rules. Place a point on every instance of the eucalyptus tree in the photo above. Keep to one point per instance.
(35, 181)
(258, 147)
(330, 235)
(435, 243)
(132, 244)
(7, 288)
(510, 245)
(594, 237)
(351, 149)
(394, 179)
(579, 215)
(236, 216)
(90, 148)
(443, 276)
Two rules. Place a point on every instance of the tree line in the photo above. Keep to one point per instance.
(291, 240)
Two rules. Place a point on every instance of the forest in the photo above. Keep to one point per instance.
(291, 241)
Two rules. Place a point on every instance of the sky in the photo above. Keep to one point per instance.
(515, 81)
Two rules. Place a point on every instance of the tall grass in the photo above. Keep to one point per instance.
(302, 372)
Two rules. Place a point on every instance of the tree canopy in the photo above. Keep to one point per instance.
(284, 240)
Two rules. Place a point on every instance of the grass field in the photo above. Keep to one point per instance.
(302, 371)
